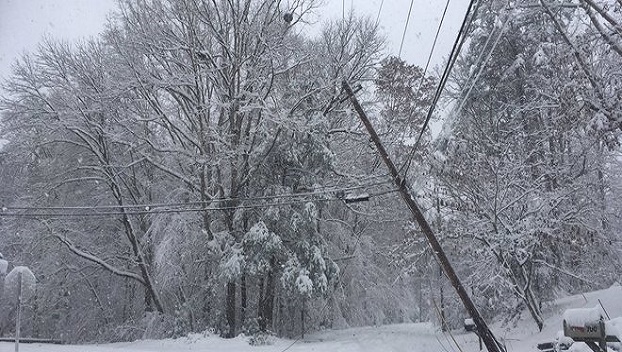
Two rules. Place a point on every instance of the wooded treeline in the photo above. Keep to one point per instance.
(194, 168)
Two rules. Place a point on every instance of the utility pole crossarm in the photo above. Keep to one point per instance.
(484, 332)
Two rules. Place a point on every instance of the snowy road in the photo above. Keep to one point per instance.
(395, 338)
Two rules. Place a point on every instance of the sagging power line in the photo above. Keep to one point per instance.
(317, 192)
(33, 212)
(453, 56)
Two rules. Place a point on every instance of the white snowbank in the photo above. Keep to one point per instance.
(613, 327)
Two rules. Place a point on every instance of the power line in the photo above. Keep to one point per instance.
(460, 39)
(473, 79)
(149, 211)
(153, 206)
(154, 211)
(379, 10)
(438, 31)
(406, 27)
(427, 64)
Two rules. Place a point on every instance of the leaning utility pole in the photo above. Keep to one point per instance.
(482, 329)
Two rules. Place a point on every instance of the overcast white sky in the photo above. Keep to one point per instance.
(23, 23)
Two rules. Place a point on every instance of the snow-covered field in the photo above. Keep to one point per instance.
(397, 338)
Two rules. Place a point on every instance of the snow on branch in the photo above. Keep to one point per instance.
(94, 259)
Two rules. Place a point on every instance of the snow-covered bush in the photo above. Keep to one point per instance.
(261, 339)
(20, 275)
(4, 265)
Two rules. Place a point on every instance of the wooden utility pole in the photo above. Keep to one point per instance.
(487, 336)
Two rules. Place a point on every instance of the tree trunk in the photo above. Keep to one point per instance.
(302, 319)
(148, 300)
(261, 320)
(534, 307)
(230, 309)
(269, 304)
(442, 299)
(266, 300)
(142, 263)
(35, 310)
(243, 300)
(524, 290)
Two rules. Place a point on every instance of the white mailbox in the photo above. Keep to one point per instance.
(584, 324)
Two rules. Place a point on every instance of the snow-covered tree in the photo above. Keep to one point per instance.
(203, 111)
(522, 167)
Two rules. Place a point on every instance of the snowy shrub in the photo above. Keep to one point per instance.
(12, 283)
(157, 326)
(260, 339)
(4, 265)
(182, 319)
(152, 326)
(130, 331)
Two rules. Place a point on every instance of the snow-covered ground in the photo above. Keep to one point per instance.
(523, 337)
(398, 338)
